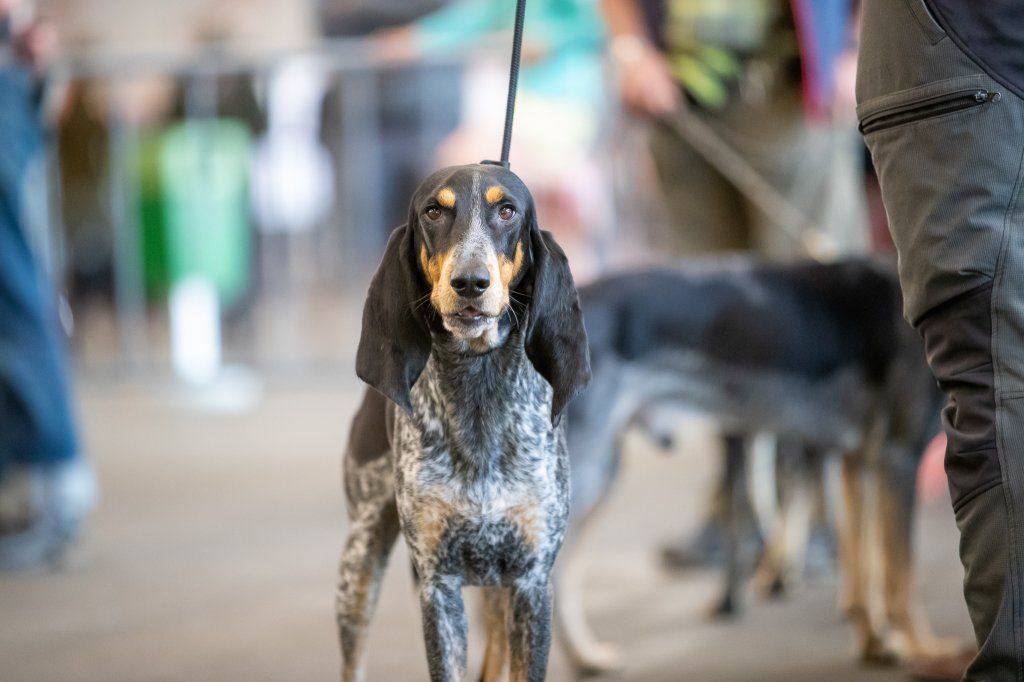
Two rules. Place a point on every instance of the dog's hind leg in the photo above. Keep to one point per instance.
(767, 458)
(852, 601)
(786, 549)
(529, 628)
(856, 556)
(495, 603)
(912, 636)
(762, 481)
(735, 561)
(372, 532)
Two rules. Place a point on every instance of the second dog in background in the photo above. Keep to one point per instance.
(811, 352)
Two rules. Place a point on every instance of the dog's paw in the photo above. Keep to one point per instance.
(926, 646)
(945, 667)
(776, 588)
(725, 608)
(874, 652)
(771, 584)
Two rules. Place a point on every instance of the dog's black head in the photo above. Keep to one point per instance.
(472, 265)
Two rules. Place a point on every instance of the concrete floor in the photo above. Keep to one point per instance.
(213, 552)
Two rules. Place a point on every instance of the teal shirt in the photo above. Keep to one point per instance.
(570, 31)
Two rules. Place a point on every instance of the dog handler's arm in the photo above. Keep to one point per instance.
(445, 31)
(646, 83)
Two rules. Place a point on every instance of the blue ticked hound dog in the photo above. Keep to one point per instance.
(472, 344)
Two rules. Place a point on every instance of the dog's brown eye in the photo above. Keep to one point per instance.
(506, 212)
(433, 212)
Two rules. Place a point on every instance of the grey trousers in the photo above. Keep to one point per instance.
(948, 143)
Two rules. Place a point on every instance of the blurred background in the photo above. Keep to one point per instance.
(195, 195)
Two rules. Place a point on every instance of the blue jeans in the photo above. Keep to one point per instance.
(36, 421)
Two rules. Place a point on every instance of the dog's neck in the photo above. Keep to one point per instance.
(480, 398)
(474, 385)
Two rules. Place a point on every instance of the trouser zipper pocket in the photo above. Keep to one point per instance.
(927, 108)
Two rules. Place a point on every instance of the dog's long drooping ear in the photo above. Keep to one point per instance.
(395, 341)
(556, 340)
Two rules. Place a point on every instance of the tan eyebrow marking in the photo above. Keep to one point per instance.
(446, 197)
(494, 194)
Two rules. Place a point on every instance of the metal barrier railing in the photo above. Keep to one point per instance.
(357, 145)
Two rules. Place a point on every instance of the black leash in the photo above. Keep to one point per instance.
(513, 83)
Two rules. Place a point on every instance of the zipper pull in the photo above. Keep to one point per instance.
(982, 96)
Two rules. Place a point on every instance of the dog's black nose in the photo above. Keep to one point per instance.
(471, 282)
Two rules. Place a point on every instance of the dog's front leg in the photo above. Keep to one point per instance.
(530, 629)
(444, 628)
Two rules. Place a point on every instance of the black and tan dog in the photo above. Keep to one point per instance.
(814, 353)
(473, 344)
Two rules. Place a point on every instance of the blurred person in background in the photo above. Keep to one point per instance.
(773, 79)
(415, 107)
(46, 489)
(940, 92)
(557, 117)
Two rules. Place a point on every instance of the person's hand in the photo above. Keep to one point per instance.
(535, 51)
(844, 106)
(33, 41)
(646, 84)
(395, 44)
(36, 44)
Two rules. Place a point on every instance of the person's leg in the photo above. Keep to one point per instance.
(702, 208)
(33, 393)
(948, 144)
(42, 490)
(819, 172)
(815, 165)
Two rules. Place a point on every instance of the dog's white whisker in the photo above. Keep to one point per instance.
(513, 312)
